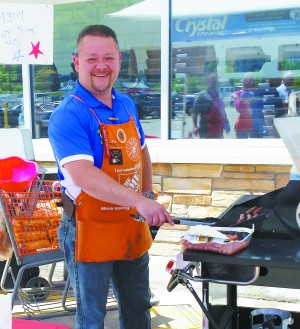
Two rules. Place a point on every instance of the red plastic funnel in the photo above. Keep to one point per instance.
(16, 173)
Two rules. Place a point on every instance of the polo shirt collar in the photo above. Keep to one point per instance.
(88, 98)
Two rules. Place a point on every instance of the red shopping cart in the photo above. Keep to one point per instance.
(31, 208)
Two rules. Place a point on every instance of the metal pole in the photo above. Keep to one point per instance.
(5, 115)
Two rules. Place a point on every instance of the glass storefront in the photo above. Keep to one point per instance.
(227, 62)
(214, 52)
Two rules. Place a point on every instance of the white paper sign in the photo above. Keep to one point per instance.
(26, 34)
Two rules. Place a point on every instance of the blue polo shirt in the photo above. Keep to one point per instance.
(74, 132)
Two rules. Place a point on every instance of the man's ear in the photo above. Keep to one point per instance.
(75, 63)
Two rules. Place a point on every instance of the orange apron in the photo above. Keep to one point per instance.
(105, 231)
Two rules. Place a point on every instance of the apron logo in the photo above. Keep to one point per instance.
(132, 149)
(113, 143)
(116, 157)
(133, 182)
(121, 136)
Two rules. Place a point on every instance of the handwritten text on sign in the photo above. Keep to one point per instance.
(26, 34)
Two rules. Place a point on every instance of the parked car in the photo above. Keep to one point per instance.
(12, 116)
(38, 98)
(42, 113)
(148, 104)
(227, 94)
(181, 102)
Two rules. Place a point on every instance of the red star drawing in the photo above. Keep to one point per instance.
(35, 50)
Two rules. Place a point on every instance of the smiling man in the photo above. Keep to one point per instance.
(104, 167)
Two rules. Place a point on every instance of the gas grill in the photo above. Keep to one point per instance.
(271, 259)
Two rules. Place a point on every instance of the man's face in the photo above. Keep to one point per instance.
(98, 63)
(288, 81)
(212, 81)
(248, 83)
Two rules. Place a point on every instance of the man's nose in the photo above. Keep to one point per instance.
(101, 62)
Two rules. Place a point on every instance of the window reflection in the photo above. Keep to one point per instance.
(10, 87)
(138, 31)
(209, 114)
(226, 40)
(47, 94)
(233, 43)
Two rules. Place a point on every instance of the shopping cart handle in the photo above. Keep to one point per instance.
(195, 221)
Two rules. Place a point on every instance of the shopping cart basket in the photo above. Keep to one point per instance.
(32, 218)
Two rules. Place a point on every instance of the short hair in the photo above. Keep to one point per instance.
(288, 75)
(248, 76)
(96, 30)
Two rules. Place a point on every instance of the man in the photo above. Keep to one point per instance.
(209, 106)
(285, 91)
(104, 165)
(285, 88)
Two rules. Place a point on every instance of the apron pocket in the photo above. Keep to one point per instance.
(101, 242)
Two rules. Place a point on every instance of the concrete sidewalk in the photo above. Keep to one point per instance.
(179, 309)
(174, 308)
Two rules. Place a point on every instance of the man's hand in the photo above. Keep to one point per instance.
(154, 213)
(195, 131)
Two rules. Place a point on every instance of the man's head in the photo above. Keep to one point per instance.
(97, 31)
(97, 60)
(248, 81)
(212, 81)
(288, 78)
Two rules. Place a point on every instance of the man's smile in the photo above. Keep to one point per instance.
(101, 75)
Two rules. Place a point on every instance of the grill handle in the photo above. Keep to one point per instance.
(196, 278)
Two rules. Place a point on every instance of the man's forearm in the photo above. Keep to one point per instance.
(147, 171)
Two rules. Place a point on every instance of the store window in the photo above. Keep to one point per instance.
(10, 89)
(227, 63)
(46, 96)
(137, 25)
(139, 33)
(217, 45)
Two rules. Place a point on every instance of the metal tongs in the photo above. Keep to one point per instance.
(211, 221)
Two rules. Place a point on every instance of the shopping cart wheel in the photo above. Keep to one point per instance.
(36, 283)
